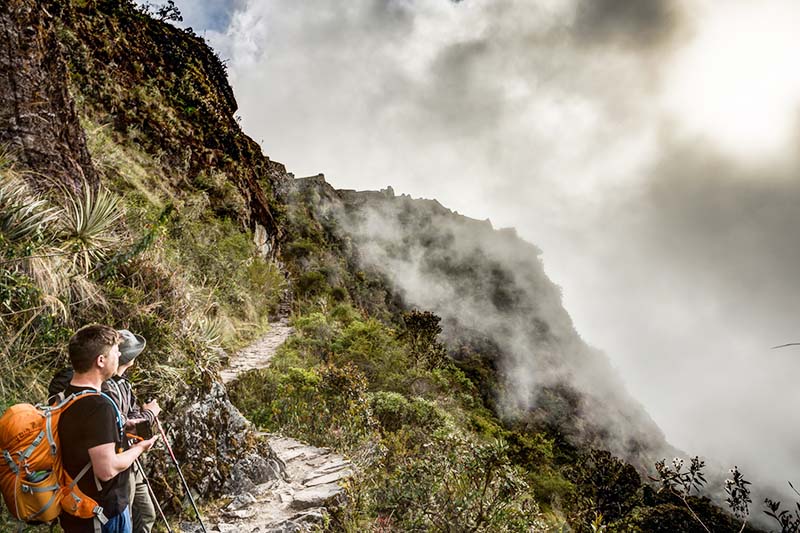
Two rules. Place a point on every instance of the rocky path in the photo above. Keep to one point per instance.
(258, 354)
(291, 505)
(311, 478)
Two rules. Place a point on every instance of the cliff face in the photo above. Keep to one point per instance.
(37, 113)
(157, 86)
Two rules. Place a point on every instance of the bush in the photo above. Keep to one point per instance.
(325, 405)
(311, 284)
(393, 411)
(458, 485)
(372, 347)
(604, 484)
(421, 332)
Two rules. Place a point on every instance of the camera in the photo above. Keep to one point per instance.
(143, 429)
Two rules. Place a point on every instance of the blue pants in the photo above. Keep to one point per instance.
(119, 524)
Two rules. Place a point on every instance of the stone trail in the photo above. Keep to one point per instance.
(259, 353)
(294, 504)
(311, 475)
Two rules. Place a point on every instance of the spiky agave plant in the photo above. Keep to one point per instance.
(26, 236)
(87, 224)
(30, 282)
(209, 331)
(22, 215)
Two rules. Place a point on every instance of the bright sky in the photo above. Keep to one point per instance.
(647, 147)
(742, 61)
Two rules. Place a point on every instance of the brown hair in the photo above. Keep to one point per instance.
(89, 343)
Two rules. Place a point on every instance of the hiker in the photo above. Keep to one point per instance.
(89, 433)
(143, 512)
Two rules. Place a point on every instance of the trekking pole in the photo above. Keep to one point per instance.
(153, 495)
(180, 474)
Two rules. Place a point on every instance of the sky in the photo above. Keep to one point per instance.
(648, 148)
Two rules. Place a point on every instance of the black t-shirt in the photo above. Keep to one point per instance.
(89, 422)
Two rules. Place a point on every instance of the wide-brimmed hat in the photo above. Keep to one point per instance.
(130, 346)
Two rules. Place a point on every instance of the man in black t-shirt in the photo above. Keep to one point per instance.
(89, 433)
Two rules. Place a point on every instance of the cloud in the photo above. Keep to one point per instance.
(645, 25)
(490, 285)
(203, 15)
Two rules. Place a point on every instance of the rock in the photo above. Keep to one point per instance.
(190, 527)
(333, 466)
(314, 479)
(309, 518)
(305, 521)
(315, 496)
(241, 501)
(37, 113)
(225, 528)
(241, 514)
(217, 447)
(264, 488)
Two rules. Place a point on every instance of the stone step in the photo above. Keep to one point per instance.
(313, 481)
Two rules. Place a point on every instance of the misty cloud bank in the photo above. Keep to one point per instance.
(677, 252)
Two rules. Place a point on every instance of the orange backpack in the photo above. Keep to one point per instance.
(34, 483)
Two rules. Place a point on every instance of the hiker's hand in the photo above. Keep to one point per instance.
(153, 408)
(145, 445)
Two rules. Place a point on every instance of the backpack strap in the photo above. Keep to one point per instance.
(29, 450)
(121, 400)
(62, 402)
(48, 425)
(99, 514)
(10, 460)
(80, 475)
(120, 422)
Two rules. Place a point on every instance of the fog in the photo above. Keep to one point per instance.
(648, 148)
(490, 289)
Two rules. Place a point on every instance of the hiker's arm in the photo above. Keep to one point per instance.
(106, 463)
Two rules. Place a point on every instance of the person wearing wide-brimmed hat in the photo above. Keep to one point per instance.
(119, 388)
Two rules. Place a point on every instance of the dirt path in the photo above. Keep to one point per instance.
(312, 475)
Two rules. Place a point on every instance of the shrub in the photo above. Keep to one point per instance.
(393, 411)
(371, 346)
(458, 485)
(421, 332)
(311, 284)
(325, 405)
(604, 484)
